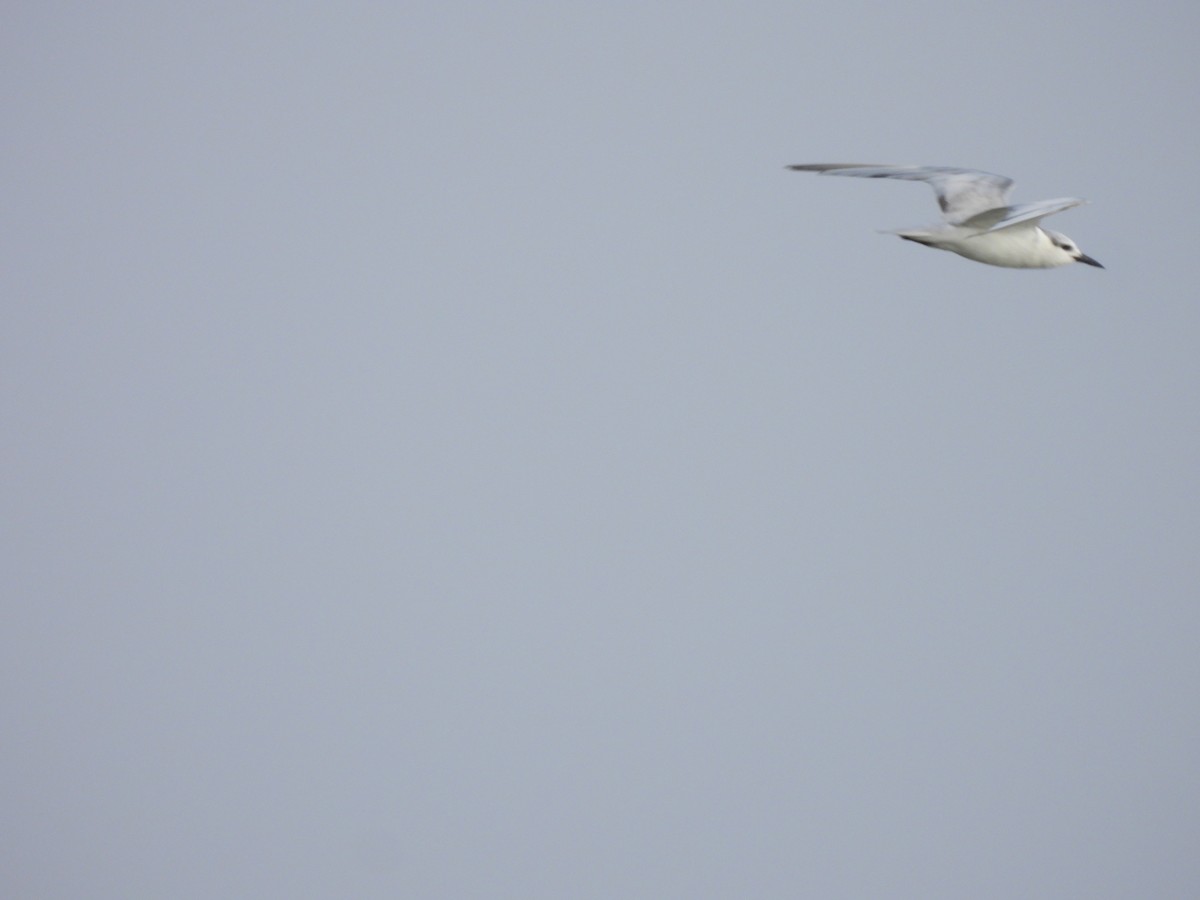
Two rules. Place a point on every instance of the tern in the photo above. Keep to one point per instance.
(980, 224)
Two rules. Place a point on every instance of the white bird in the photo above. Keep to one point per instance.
(980, 223)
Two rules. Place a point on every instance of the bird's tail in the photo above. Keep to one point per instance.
(916, 235)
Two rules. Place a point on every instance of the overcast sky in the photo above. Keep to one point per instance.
(447, 455)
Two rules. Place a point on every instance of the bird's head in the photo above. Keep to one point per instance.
(1069, 247)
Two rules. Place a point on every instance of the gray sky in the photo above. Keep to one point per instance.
(448, 456)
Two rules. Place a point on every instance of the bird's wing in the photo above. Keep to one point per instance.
(1024, 213)
(961, 193)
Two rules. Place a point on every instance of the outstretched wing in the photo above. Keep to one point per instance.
(1024, 213)
(961, 193)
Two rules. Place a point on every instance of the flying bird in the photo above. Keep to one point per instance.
(980, 224)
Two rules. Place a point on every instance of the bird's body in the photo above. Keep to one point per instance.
(1028, 247)
(980, 224)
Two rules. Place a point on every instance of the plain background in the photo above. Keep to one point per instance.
(446, 455)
